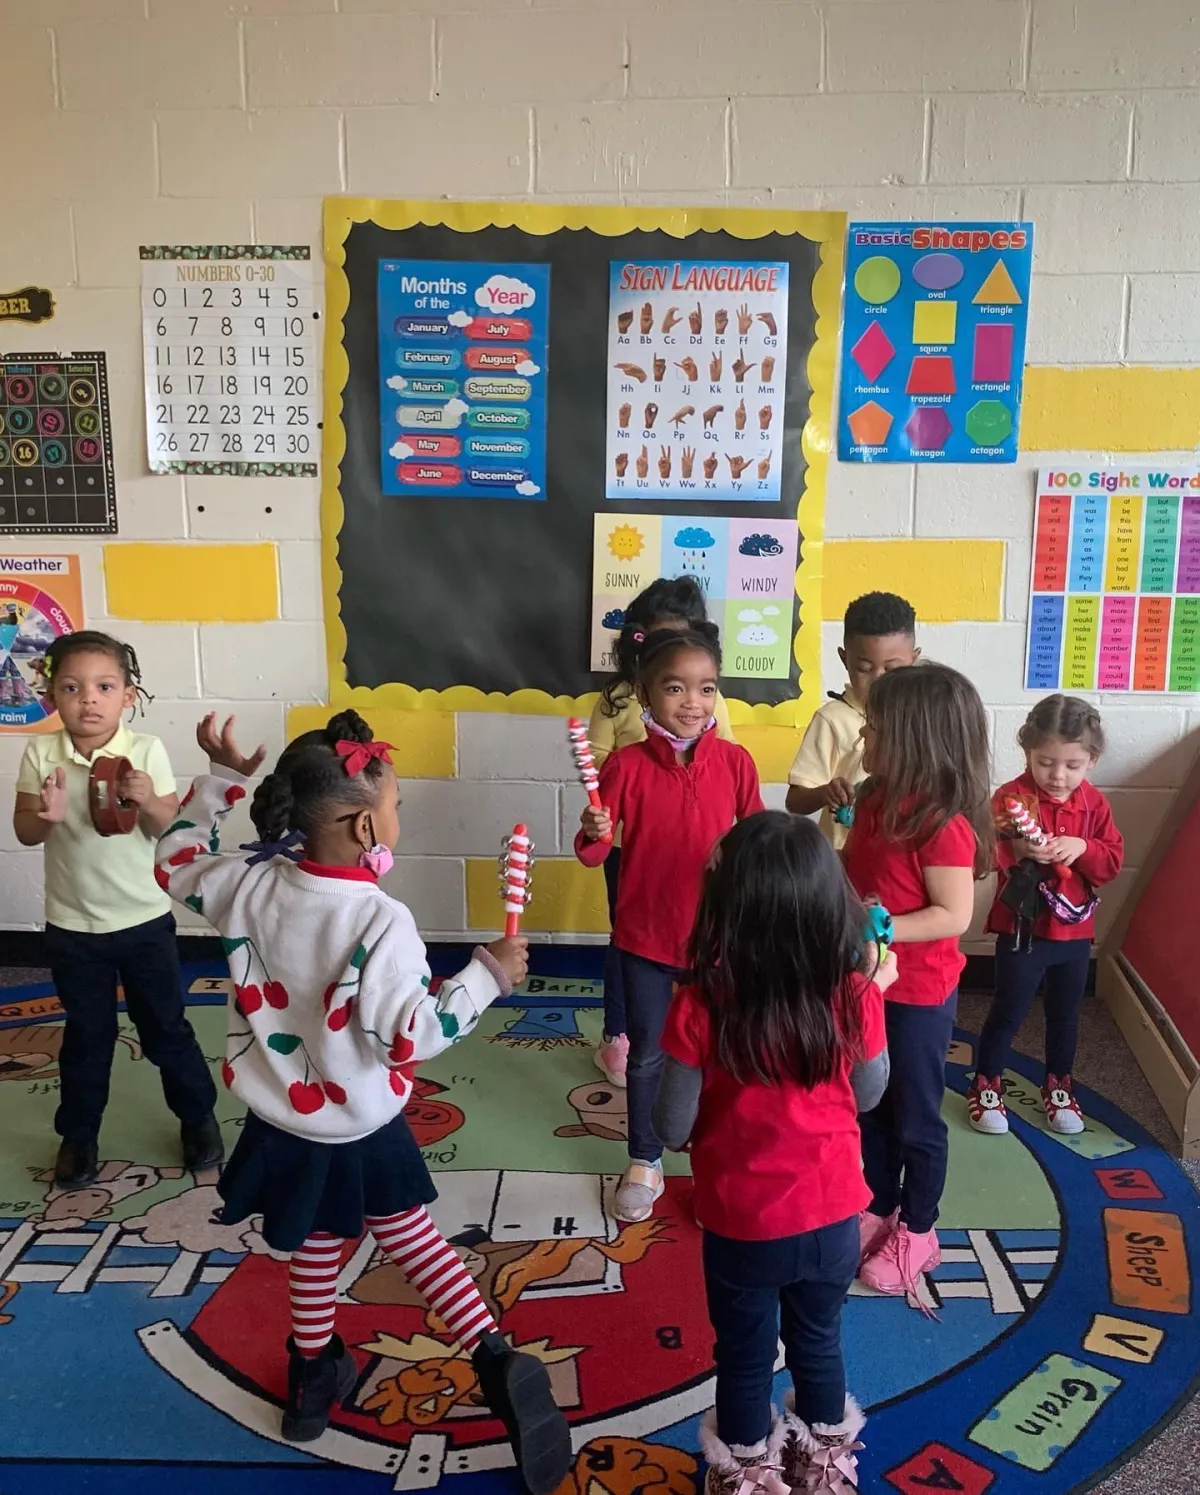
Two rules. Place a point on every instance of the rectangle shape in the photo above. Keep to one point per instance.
(1088, 524)
(1046, 1412)
(693, 338)
(1115, 666)
(1081, 637)
(1159, 545)
(1147, 1261)
(1188, 576)
(463, 355)
(1045, 643)
(1185, 645)
(56, 466)
(1150, 650)
(1050, 543)
(228, 334)
(192, 583)
(1124, 543)
(912, 287)
(41, 598)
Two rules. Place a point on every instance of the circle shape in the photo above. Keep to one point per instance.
(51, 421)
(87, 449)
(52, 386)
(20, 388)
(877, 279)
(82, 392)
(20, 420)
(54, 453)
(938, 272)
(87, 422)
(25, 452)
(4, 454)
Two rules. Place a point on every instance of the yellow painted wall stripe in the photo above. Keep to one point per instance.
(568, 897)
(772, 748)
(192, 583)
(1110, 409)
(947, 581)
(425, 742)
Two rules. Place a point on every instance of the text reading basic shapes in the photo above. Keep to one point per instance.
(938, 272)
(998, 288)
(870, 424)
(877, 280)
(993, 353)
(928, 428)
(873, 352)
(935, 323)
(931, 374)
(989, 422)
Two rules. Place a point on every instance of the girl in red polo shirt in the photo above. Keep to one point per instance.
(674, 796)
(1048, 934)
(922, 834)
(770, 1055)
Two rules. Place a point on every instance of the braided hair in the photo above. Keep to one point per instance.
(90, 641)
(1068, 717)
(678, 599)
(310, 779)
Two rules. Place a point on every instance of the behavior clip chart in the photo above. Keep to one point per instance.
(40, 600)
(231, 375)
(462, 373)
(933, 341)
(56, 473)
(696, 380)
(746, 568)
(1115, 593)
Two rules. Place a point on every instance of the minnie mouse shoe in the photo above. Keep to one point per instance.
(1062, 1109)
(985, 1106)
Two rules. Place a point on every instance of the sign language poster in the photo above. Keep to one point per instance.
(462, 371)
(696, 380)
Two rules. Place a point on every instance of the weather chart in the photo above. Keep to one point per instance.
(933, 341)
(41, 598)
(462, 372)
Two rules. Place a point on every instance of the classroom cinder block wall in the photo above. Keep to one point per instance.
(228, 121)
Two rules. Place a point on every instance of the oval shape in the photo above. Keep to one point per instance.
(938, 272)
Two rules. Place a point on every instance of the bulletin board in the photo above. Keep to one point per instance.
(472, 427)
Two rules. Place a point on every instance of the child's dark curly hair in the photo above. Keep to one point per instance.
(90, 641)
(661, 646)
(310, 779)
(879, 615)
(669, 599)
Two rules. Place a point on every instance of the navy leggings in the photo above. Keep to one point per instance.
(1060, 967)
(614, 979)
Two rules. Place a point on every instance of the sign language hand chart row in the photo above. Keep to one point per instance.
(231, 382)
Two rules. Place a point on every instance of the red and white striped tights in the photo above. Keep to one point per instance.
(421, 1252)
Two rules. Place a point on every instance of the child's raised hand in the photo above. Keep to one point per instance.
(839, 792)
(597, 824)
(137, 788)
(54, 797)
(512, 956)
(222, 749)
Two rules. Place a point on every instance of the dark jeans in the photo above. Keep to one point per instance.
(614, 986)
(648, 988)
(904, 1139)
(1063, 965)
(86, 969)
(760, 1292)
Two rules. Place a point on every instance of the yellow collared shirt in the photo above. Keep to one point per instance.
(97, 884)
(832, 749)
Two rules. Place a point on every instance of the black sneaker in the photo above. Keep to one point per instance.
(516, 1388)
(203, 1145)
(315, 1385)
(77, 1163)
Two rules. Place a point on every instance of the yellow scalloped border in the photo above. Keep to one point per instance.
(826, 229)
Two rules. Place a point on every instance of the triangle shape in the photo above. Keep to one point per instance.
(998, 288)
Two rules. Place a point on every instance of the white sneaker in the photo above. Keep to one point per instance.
(1062, 1109)
(640, 1188)
(985, 1106)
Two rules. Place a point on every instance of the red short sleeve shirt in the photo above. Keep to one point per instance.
(772, 1160)
(894, 872)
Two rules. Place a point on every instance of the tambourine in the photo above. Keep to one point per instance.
(111, 815)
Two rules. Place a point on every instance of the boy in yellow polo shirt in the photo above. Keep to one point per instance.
(107, 920)
(878, 635)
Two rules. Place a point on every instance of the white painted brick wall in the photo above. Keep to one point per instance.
(229, 122)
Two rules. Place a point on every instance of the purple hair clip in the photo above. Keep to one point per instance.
(291, 847)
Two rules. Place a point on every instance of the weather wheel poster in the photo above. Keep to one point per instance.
(40, 600)
(696, 380)
(462, 371)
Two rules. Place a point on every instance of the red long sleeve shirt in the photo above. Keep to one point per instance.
(671, 816)
(1084, 813)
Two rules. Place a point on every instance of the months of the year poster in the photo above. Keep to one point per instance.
(1115, 592)
(231, 378)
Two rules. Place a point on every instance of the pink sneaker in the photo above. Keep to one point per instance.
(896, 1267)
(873, 1231)
(611, 1058)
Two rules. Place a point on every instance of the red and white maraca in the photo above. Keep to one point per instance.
(581, 748)
(516, 865)
(1029, 830)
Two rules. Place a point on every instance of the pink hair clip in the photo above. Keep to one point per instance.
(638, 636)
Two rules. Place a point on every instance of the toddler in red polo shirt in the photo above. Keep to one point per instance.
(1045, 904)
(771, 1053)
(674, 795)
(922, 834)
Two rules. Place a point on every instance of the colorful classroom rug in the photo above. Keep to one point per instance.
(141, 1343)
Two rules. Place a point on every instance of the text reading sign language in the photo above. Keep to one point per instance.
(746, 568)
(1115, 589)
(463, 350)
(696, 380)
(933, 341)
(231, 378)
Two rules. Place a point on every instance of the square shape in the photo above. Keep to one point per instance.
(936, 1467)
(1127, 1183)
(1123, 1339)
(935, 323)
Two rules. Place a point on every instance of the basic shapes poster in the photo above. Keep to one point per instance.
(1115, 592)
(228, 333)
(745, 566)
(695, 379)
(933, 341)
(40, 599)
(56, 471)
(463, 349)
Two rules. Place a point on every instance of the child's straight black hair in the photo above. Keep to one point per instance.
(91, 641)
(669, 599)
(776, 943)
(310, 779)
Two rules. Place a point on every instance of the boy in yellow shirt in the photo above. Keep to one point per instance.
(878, 635)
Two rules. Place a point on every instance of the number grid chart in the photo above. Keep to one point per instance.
(1115, 590)
(230, 359)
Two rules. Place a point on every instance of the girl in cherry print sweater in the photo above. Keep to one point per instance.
(331, 1013)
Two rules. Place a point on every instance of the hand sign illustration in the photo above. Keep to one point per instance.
(739, 416)
(696, 320)
(711, 414)
(672, 316)
(643, 463)
(737, 465)
(646, 320)
(721, 321)
(767, 318)
(623, 415)
(687, 461)
(690, 371)
(715, 364)
(632, 371)
(664, 462)
(682, 414)
(745, 320)
(741, 368)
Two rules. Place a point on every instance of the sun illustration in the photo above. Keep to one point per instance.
(625, 542)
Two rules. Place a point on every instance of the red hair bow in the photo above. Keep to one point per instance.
(356, 755)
